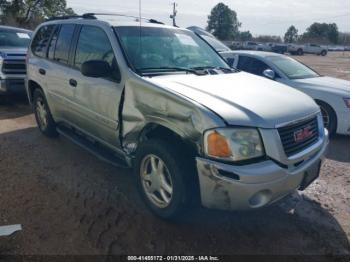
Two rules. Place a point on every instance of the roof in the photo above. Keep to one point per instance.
(261, 54)
(14, 28)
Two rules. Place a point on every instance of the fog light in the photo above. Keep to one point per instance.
(260, 199)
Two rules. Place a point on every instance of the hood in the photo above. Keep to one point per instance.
(326, 83)
(242, 99)
(8, 52)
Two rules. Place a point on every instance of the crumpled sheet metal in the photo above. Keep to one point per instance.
(146, 103)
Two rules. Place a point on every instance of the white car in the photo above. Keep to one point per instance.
(331, 94)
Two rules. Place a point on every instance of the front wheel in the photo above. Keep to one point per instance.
(324, 53)
(161, 176)
(329, 117)
(300, 52)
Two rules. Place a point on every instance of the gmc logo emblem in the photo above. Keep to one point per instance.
(303, 134)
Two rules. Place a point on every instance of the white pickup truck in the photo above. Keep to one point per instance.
(307, 49)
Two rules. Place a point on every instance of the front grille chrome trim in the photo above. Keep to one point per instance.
(290, 145)
(310, 116)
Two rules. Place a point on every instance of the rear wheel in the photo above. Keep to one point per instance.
(300, 52)
(162, 178)
(43, 115)
(323, 53)
(329, 117)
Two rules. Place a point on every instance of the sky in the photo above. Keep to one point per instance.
(260, 17)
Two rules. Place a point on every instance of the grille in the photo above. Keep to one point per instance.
(14, 67)
(288, 134)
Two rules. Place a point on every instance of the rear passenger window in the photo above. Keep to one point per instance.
(93, 44)
(41, 40)
(63, 44)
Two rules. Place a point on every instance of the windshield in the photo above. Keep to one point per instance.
(11, 38)
(292, 68)
(166, 48)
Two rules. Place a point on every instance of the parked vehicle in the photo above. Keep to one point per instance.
(264, 47)
(295, 49)
(250, 45)
(279, 48)
(159, 99)
(13, 49)
(336, 48)
(331, 94)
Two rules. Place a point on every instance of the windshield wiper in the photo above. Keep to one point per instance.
(225, 69)
(169, 69)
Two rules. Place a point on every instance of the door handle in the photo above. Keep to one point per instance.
(42, 71)
(73, 82)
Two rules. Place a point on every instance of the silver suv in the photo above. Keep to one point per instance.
(161, 100)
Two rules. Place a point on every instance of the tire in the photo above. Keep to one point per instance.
(43, 116)
(176, 174)
(329, 117)
(323, 53)
(300, 51)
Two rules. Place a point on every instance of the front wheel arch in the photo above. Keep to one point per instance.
(332, 130)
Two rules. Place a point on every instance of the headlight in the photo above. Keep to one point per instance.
(347, 102)
(233, 144)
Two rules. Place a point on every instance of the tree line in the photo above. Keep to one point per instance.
(30, 13)
(224, 24)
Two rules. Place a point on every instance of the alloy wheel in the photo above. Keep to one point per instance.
(156, 181)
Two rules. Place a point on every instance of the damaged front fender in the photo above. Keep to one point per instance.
(146, 103)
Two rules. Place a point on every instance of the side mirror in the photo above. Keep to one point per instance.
(96, 68)
(269, 74)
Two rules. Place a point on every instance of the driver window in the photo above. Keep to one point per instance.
(93, 44)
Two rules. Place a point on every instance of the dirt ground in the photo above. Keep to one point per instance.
(69, 202)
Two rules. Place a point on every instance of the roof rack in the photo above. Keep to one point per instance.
(84, 16)
(150, 20)
(93, 16)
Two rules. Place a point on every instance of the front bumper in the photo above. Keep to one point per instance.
(343, 122)
(12, 86)
(232, 187)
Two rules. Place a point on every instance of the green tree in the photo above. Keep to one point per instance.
(291, 36)
(268, 38)
(29, 13)
(322, 32)
(223, 22)
(245, 36)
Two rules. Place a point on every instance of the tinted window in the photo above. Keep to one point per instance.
(93, 44)
(41, 40)
(11, 38)
(63, 43)
(251, 65)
